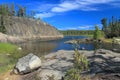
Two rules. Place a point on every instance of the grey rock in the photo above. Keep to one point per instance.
(116, 40)
(63, 61)
(63, 65)
(71, 42)
(49, 62)
(100, 61)
(45, 74)
(27, 64)
(116, 59)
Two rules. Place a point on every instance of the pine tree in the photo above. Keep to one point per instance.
(13, 9)
(104, 23)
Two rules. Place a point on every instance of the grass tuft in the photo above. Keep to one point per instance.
(9, 54)
(7, 48)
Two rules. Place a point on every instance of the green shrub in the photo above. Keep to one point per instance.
(9, 54)
(80, 65)
(97, 33)
(80, 61)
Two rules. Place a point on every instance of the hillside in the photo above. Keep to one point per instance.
(30, 29)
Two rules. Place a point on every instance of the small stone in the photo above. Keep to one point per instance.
(15, 71)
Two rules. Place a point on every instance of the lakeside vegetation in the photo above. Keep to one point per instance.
(111, 28)
(9, 54)
(7, 48)
(77, 32)
(80, 64)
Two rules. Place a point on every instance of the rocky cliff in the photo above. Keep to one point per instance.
(30, 29)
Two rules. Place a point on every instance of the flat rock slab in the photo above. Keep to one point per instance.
(57, 63)
(47, 73)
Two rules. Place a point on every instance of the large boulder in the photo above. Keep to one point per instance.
(27, 64)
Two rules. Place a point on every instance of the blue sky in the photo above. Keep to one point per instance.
(71, 14)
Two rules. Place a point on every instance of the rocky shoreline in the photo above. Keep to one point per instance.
(102, 63)
(14, 39)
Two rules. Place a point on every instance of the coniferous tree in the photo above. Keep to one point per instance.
(113, 27)
(104, 23)
(13, 9)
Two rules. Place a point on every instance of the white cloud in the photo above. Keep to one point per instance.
(94, 1)
(84, 27)
(89, 9)
(49, 10)
(44, 15)
(85, 5)
(116, 5)
(65, 6)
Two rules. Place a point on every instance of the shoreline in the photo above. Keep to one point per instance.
(57, 63)
(15, 39)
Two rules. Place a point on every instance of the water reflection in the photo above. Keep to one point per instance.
(45, 47)
(39, 48)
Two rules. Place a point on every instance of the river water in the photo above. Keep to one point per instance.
(45, 47)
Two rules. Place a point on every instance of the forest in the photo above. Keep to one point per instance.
(111, 27)
(10, 10)
(77, 32)
(15, 10)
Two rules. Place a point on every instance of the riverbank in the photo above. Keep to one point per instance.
(57, 63)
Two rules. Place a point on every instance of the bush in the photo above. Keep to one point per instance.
(80, 65)
(97, 33)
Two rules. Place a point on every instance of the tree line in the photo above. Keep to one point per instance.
(77, 32)
(7, 10)
(15, 10)
(111, 28)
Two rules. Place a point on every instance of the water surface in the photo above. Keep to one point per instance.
(45, 47)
